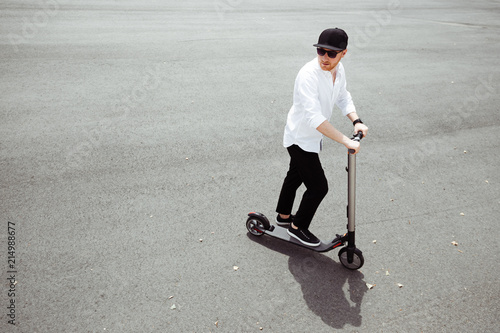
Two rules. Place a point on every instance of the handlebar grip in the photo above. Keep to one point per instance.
(358, 136)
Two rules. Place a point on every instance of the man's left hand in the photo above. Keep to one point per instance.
(361, 127)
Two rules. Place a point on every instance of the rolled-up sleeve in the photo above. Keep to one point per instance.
(307, 90)
(344, 100)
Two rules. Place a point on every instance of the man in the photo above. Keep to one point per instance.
(319, 86)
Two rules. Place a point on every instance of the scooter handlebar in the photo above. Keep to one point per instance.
(357, 137)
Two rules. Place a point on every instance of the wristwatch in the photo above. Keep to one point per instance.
(357, 121)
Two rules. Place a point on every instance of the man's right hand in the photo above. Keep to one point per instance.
(354, 145)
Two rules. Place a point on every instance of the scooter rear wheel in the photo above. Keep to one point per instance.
(357, 259)
(253, 222)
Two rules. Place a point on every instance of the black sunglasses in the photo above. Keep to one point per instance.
(331, 54)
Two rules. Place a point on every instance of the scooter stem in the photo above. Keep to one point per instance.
(351, 192)
(351, 198)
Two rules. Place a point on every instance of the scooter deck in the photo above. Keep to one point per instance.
(281, 233)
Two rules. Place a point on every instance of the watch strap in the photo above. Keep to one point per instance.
(357, 121)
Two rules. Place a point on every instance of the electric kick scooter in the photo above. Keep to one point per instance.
(351, 257)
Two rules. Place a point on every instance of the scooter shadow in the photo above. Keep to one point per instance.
(323, 281)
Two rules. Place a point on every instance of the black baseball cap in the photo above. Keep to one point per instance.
(333, 39)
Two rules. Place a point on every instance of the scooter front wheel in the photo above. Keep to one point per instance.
(253, 222)
(357, 259)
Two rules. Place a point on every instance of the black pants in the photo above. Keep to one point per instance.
(305, 168)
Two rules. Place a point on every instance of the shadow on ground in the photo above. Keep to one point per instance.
(331, 291)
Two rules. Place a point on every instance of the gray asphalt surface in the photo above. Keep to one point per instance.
(137, 135)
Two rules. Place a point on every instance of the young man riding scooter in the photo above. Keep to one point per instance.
(319, 86)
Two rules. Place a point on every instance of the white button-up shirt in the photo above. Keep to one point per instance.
(314, 97)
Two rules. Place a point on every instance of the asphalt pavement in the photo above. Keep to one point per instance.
(135, 136)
